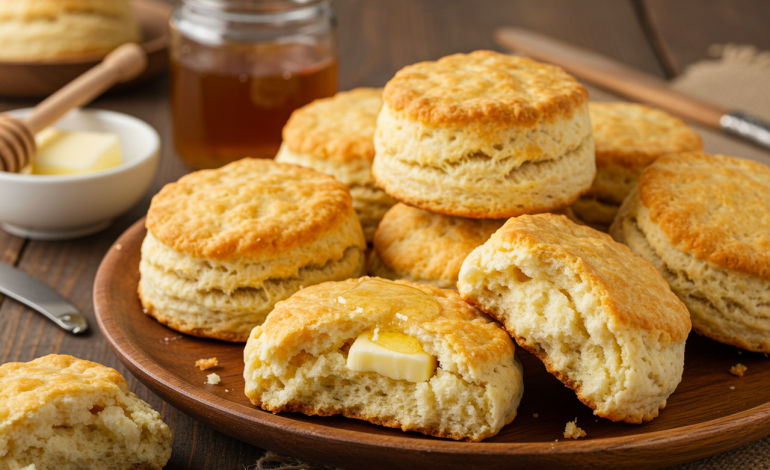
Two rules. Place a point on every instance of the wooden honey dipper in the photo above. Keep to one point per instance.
(17, 136)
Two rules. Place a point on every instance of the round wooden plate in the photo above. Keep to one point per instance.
(42, 78)
(710, 412)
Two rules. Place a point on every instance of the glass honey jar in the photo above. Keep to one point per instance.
(238, 68)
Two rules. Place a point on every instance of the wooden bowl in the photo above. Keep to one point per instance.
(710, 412)
(37, 79)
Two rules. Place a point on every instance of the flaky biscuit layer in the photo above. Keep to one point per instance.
(602, 319)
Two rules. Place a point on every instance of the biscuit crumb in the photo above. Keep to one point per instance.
(213, 379)
(571, 431)
(205, 364)
(118, 247)
(535, 415)
(732, 388)
(144, 310)
(738, 369)
(341, 300)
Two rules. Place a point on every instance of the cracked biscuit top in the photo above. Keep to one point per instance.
(715, 207)
(251, 208)
(484, 85)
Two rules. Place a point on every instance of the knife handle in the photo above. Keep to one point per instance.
(609, 74)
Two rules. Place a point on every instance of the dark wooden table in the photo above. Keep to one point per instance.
(376, 38)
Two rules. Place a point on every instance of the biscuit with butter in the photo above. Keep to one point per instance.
(704, 222)
(34, 30)
(627, 138)
(223, 246)
(602, 319)
(62, 413)
(398, 354)
(484, 135)
(336, 136)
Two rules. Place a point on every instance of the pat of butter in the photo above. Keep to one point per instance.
(72, 153)
(392, 354)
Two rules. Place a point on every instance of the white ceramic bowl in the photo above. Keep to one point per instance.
(59, 207)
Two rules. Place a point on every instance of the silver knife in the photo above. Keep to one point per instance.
(39, 296)
(633, 83)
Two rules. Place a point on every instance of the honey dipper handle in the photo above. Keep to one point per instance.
(120, 65)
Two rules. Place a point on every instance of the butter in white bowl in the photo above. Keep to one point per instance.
(75, 152)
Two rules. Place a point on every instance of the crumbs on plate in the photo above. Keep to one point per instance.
(205, 364)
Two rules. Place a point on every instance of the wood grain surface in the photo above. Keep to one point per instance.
(711, 410)
(376, 38)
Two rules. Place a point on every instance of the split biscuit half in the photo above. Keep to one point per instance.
(62, 413)
(298, 359)
(602, 319)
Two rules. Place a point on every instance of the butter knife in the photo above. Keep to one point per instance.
(633, 83)
(39, 296)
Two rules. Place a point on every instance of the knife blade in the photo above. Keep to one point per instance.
(39, 296)
(632, 83)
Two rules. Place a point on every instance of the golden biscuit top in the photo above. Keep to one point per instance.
(29, 10)
(484, 85)
(326, 316)
(633, 135)
(250, 207)
(631, 290)
(715, 207)
(25, 387)
(339, 128)
(429, 245)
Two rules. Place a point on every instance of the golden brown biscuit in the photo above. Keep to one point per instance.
(704, 222)
(627, 138)
(484, 135)
(62, 413)
(52, 29)
(601, 318)
(426, 247)
(223, 246)
(297, 360)
(335, 136)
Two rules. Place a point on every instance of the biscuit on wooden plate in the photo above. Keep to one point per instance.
(297, 360)
(627, 138)
(336, 136)
(704, 222)
(426, 247)
(60, 29)
(223, 246)
(62, 413)
(484, 135)
(602, 319)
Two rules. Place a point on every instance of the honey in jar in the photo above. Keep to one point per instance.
(236, 78)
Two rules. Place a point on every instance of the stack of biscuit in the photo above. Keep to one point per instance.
(468, 141)
(336, 136)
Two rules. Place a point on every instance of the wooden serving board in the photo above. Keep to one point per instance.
(710, 412)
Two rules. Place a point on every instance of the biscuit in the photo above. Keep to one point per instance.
(56, 29)
(627, 138)
(484, 135)
(296, 361)
(426, 247)
(601, 318)
(223, 246)
(704, 222)
(63, 413)
(335, 136)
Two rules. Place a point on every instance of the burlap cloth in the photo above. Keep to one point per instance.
(737, 78)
